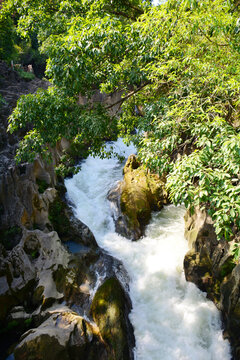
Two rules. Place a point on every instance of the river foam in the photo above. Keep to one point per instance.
(172, 319)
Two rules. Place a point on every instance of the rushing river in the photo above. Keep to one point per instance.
(172, 319)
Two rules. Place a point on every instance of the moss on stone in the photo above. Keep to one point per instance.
(42, 185)
(227, 268)
(142, 192)
(58, 217)
(108, 311)
(10, 237)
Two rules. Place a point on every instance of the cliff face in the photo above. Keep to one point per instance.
(42, 285)
(210, 265)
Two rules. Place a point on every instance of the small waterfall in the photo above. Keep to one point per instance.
(172, 319)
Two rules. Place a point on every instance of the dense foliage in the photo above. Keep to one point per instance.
(7, 35)
(177, 67)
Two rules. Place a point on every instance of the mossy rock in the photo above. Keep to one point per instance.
(62, 336)
(57, 216)
(109, 310)
(198, 269)
(37, 297)
(42, 185)
(226, 268)
(141, 193)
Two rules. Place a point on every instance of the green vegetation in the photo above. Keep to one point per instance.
(35, 254)
(58, 218)
(42, 185)
(7, 37)
(13, 47)
(227, 268)
(236, 252)
(10, 237)
(26, 75)
(177, 64)
(55, 116)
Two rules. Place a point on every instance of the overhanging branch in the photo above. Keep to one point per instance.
(209, 39)
(128, 95)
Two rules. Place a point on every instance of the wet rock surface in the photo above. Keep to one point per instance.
(134, 198)
(210, 265)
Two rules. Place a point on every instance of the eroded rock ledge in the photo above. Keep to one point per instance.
(134, 198)
(209, 264)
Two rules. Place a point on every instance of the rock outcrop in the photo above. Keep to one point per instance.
(110, 309)
(134, 198)
(64, 335)
(210, 265)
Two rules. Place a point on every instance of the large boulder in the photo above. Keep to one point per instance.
(134, 198)
(110, 308)
(64, 335)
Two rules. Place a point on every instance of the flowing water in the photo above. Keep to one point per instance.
(172, 319)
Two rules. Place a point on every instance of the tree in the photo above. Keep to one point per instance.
(178, 61)
(7, 38)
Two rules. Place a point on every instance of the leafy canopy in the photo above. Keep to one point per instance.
(177, 65)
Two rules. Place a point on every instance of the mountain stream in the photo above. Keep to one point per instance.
(172, 318)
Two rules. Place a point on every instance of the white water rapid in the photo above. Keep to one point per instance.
(172, 319)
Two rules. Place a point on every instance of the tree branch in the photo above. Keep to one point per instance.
(135, 8)
(128, 95)
(236, 6)
(135, 13)
(209, 39)
(121, 13)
